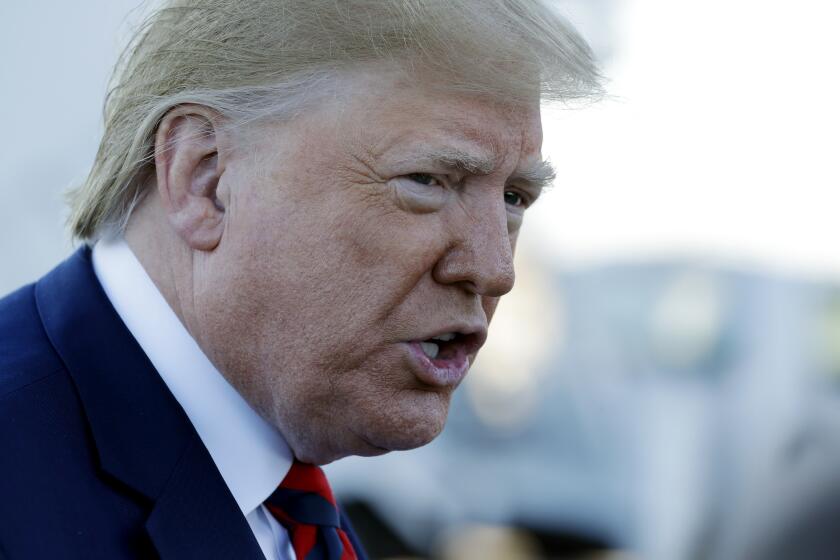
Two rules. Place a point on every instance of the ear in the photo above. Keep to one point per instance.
(188, 169)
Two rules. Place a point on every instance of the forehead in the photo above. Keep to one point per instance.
(399, 106)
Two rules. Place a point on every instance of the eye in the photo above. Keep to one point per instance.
(424, 179)
(515, 199)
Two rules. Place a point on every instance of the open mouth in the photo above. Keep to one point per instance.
(443, 359)
(449, 346)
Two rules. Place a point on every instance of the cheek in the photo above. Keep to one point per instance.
(323, 279)
(323, 276)
(489, 305)
(387, 250)
(514, 237)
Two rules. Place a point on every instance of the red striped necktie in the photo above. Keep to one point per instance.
(305, 506)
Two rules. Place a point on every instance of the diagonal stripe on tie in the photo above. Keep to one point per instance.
(305, 505)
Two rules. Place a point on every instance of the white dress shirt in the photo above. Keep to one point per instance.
(251, 455)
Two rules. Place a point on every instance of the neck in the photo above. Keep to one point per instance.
(165, 257)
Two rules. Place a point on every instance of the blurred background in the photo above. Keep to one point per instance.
(664, 381)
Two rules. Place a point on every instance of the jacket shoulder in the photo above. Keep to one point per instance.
(26, 354)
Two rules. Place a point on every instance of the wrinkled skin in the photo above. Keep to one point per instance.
(330, 243)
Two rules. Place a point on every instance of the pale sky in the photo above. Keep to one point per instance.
(722, 141)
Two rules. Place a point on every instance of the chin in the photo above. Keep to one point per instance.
(375, 428)
(371, 441)
(362, 446)
(404, 433)
(405, 442)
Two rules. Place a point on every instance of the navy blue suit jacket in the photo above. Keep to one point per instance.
(97, 458)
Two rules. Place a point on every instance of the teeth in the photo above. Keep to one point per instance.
(430, 349)
(444, 337)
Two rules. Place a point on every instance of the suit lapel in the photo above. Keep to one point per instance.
(142, 435)
(194, 517)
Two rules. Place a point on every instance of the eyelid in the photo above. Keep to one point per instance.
(529, 193)
(432, 176)
(527, 198)
(439, 180)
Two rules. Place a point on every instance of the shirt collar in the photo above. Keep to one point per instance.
(251, 455)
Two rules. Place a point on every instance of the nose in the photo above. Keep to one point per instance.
(480, 258)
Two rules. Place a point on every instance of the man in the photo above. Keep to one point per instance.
(302, 215)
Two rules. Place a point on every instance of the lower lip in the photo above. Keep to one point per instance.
(444, 373)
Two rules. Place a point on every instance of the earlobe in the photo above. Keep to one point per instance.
(188, 170)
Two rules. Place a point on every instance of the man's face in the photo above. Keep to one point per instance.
(355, 235)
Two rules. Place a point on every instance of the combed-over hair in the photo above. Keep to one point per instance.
(257, 59)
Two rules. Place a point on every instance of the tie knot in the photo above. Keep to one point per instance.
(308, 478)
(304, 497)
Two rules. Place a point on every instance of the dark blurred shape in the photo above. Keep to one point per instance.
(809, 528)
(569, 546)
(813, 533)
(380, 541)
(798, 517)
(474, 541)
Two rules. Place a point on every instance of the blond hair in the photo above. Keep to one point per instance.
(257, 59)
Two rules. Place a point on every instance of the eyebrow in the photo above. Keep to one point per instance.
(540, 174)
(536, 175)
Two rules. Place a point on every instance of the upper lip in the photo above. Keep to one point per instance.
(473, 335)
